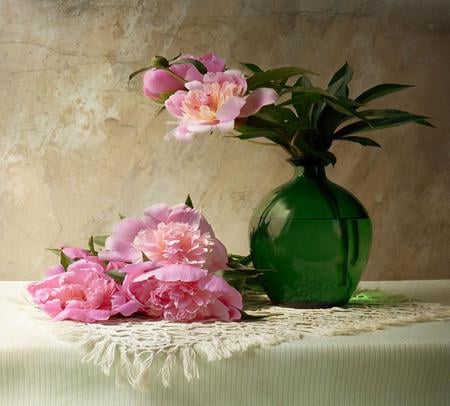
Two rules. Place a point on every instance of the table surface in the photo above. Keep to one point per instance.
(408, 365)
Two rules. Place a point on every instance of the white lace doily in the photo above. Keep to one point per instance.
(140, 351)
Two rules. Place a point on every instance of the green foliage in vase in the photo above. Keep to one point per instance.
(307, 120)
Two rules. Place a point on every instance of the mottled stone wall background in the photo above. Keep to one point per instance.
(78, 147)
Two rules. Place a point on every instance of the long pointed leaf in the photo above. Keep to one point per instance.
(249, 133)
(263, 78)
(377, 124)
(339, 82)
(367, 142)
(380, 91)
(389, 113)
(91, 246)
(137, 72)
(200, 67)
(302, 102)
(327, 117)
(252, 67)
(312, 90)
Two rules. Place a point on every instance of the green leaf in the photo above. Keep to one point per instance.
(239, 261)
(117, 275)
(344, 106)
(137, 72)
(91, 246)
(367, 142)
(261, 79)
(341, 105)
(280, 116)
(380, 91)
(303, 102)
(175, 57)
(339, 82)
(312, 90)
(249, 133)
(100, 240)
(188, 201)
(56, 251)
(389, 113)
(379, 123)
(65, 260)
(327, 156)
(200, 67)
(253, 317)
(309, 150)
(252, 67)
(327, 117)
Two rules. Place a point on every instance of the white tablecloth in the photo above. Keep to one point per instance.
(407, 365)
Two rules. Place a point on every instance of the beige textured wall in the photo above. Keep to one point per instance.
(77, 146)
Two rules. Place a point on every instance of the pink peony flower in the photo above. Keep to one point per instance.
(215, 103)
(166, 235)
(83, 293)
(159, 84)
(181, 293)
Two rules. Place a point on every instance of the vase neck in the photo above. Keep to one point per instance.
(308, 168)
(316, 172)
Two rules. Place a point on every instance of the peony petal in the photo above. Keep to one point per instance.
(127, 309)
(180, 133)
(174, 104)
(185, 215)
(157, 213)
(257, 99)
(158, 82)
(179, 272)
(54, 270)
(199, 128)
(74, 252)
(192, 85)
(84, 265)
(219, 311)
(230, 109)
(225, 127)
(126, 230)
(212, 62)
(115, 256)
(219, 257)
(230, 296)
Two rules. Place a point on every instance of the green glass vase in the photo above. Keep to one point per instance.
(313, 237)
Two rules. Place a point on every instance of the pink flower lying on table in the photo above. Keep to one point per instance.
(160, 84)
(214, 103)
(181, 293)
(83, 293)
(167, 235)
(161, 265)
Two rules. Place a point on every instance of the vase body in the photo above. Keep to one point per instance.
(313, 236)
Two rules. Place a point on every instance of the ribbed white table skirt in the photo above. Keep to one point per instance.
(399, 366)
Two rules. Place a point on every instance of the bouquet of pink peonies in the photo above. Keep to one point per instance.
(164, 265)
(280, 105)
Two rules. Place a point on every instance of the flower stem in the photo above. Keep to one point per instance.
(175, 75)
